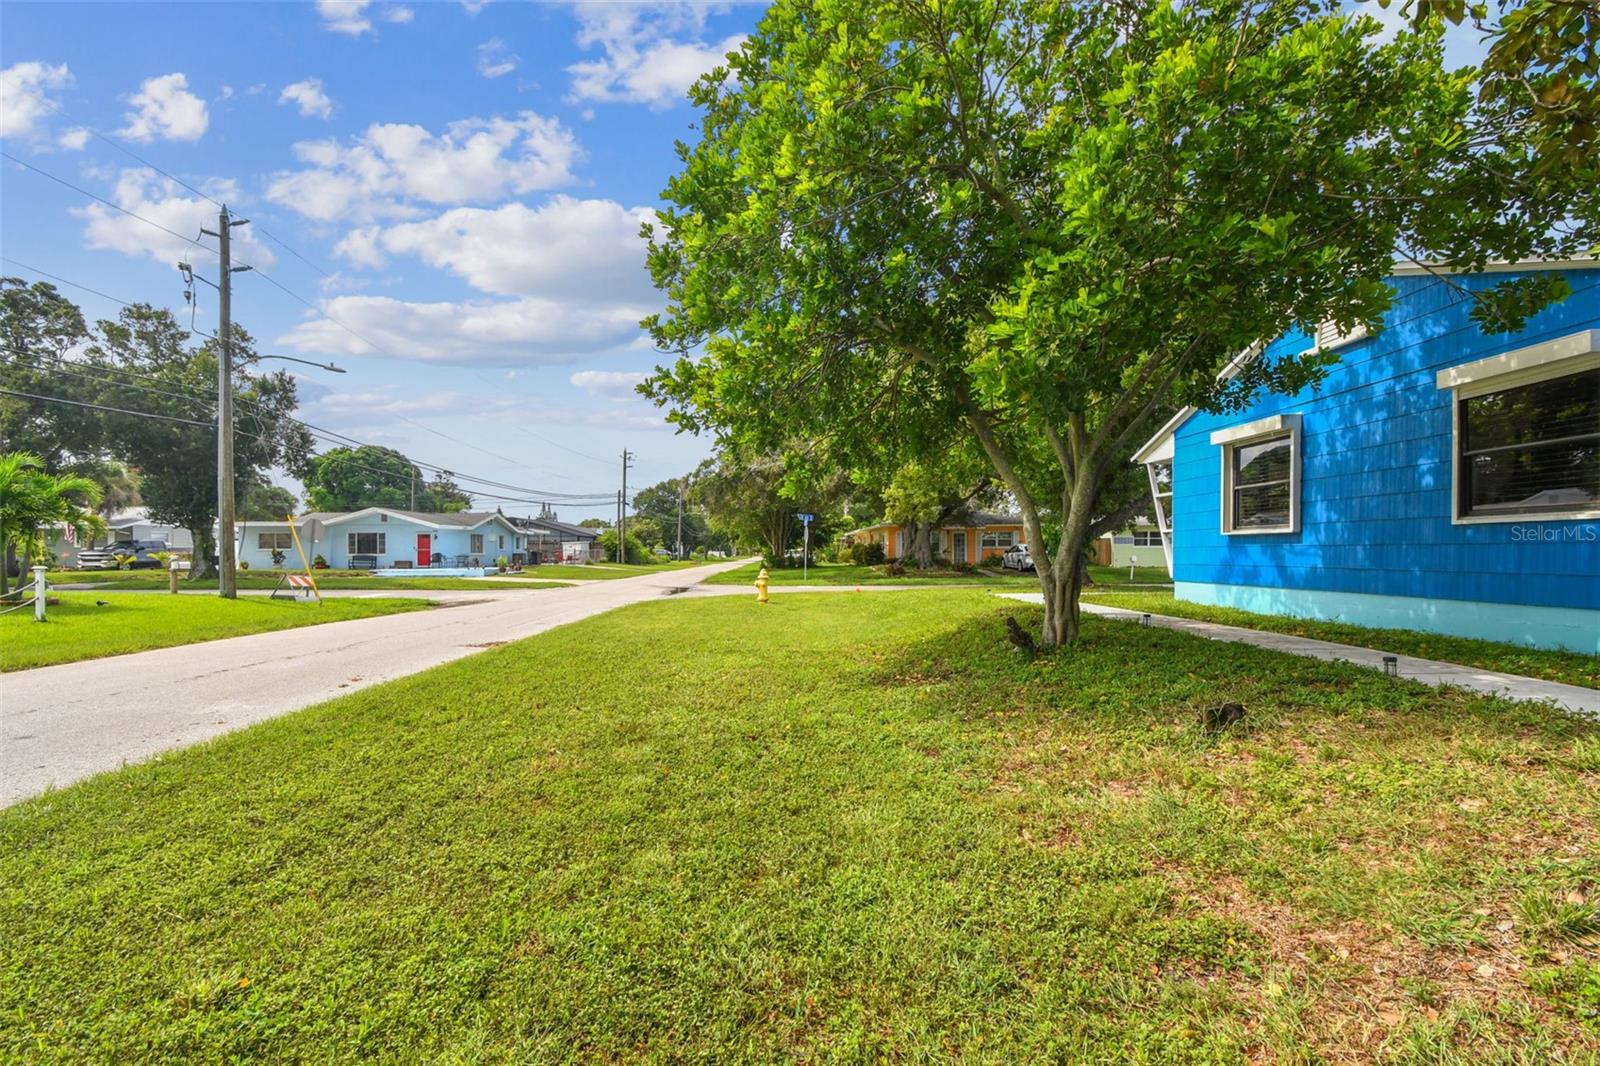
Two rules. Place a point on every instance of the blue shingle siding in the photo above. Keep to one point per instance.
(1375, 471)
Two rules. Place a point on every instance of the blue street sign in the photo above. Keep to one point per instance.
(807, 518)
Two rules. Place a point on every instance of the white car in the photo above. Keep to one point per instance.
(1017, 557)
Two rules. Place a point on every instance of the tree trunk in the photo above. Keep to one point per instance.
(921, 544)
(5, 567)
(1061, 578)
(200, 557)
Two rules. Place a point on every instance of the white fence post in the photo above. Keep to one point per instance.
(38, 593)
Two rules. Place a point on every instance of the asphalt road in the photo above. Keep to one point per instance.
(62, 723)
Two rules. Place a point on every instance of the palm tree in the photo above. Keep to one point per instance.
(32, 501)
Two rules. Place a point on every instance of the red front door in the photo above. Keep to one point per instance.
(424, 548)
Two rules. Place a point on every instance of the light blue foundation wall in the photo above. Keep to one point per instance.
(1376, 544)
(1573, 629)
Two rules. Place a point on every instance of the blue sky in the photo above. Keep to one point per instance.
(467, 179)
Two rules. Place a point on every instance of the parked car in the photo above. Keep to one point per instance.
(143, 552)
(1017, 557)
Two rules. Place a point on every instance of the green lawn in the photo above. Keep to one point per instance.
(828, 828)
(1118, 575)
(78, 629)
(332, 580)
(1570, 668)
(609, 571)
(533, 577)
(846, 574)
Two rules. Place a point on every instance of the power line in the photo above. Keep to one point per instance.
(101, 199)
(288, 292)
(64, 281)
(125, 150)
(326, 436)
(141, 160)
(103, 407)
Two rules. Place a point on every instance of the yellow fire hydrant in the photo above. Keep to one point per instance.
(761, 586)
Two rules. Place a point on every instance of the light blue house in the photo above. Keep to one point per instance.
(1439, 479)
(381, 538)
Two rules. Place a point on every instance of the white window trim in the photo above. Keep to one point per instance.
(1248, 433)
(352, 549)
(1155, 499)
(1572, 354)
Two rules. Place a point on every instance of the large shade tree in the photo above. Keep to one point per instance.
(756, 500)
(39, 330)
(1046, 224)
(348, 479)
(149, 365)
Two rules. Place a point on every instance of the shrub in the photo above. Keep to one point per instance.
(636, 551)
(244, 564)
(319, 563)
(502, 562)
(279, 556)
(865, 553)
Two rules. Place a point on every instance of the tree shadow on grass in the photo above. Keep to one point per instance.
(1371, 839)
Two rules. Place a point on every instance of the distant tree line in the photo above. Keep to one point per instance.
(130, 404)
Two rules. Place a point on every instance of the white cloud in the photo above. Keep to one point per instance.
(610, 384)
(361, 247)
(571, 273)
(495, 59)
(25, 95)
(308, 97)
(653, 52)
(385, 402)
(73, 140)
(523, 332)
(352, 17)
(164, 108)
(472, 7)
(345, 16)
(566, 248)
(384, 171)
(163, 202)
(337, 282)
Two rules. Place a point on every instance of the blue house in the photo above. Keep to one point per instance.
(382, 538)
(1439, 479)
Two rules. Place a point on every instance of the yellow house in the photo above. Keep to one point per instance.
(984, 536)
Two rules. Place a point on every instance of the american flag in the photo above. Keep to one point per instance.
(72, 533)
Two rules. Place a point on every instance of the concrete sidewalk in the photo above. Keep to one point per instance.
(1428, 671)
(62, 723)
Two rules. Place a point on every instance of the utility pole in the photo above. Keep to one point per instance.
(680, 522)
(227, 559)
(622, 509)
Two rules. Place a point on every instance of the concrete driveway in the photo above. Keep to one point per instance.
(62, 723)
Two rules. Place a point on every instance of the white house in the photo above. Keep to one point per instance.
(376, 538)
(133, 524)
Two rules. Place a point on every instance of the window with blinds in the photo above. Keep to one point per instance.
(1530, 449)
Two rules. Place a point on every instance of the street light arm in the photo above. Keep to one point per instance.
(307, 362)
